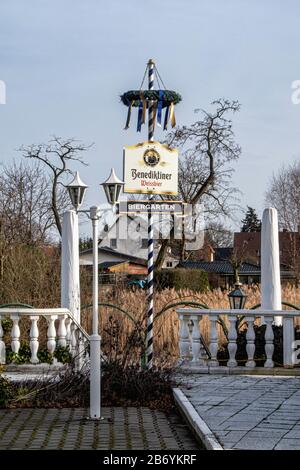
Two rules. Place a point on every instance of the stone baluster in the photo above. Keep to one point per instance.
(51, 334)
(197, 347)
(34, 339)
(213, 341)
(80, 355)
(288, 341)
(73, 339)
(232, 346)
(269, 347)
(68, 331)
(62, 331)
(2, 345)
(250, 336)
(184, 339)
(15, 334)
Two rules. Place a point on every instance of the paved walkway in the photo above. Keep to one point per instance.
(122, 428)
(248, 412)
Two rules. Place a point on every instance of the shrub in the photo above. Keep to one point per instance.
(180, 278)
(6, 392)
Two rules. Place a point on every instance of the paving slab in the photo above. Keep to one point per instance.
(121, 428)
(247, 412)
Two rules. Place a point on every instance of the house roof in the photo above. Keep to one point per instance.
(220, 267)
(109, 264)
(124, 256)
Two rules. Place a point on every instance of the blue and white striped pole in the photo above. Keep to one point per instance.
(149, 351)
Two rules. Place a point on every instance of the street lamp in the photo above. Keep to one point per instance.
(112, 187)
(237, 297)
(76, 189)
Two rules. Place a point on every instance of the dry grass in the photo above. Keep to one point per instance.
(166, 327)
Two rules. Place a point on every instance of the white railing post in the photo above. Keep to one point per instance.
(34, 339)
(2, 345)
(80, 350)
(51, 334)
(232, 346)
(68, 332)
(250, 337)
(62, 331)
(213, 341)
(184, 339)
(288, 339)
(196, 340)
(269, 336)
(15, 334)
(73, 339)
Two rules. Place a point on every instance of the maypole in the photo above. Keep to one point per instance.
(150, 265)
(150, 167)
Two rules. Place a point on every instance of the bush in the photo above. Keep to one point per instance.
(181, 278)
(6, 392)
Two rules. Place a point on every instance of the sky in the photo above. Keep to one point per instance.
(66, 62)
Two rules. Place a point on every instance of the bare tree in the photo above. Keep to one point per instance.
(25, 211)
(206, 147)
(284, 194)
(56, 155)
(218, 235)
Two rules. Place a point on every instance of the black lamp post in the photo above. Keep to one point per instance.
(237, 297)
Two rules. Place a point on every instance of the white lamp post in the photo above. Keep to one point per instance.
(112, 187)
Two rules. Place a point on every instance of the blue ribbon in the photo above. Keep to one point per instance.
(159, 106)
(140, 117)
(166, 118)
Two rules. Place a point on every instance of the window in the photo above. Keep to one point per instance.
(169, 264)
(144, 242)
(113, 243)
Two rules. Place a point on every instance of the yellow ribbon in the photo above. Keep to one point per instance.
(172, 115)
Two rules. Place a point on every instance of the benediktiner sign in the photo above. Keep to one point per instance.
(150, 168)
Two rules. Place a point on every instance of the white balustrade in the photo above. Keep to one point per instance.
(73, 340)
(269, 347)
(34, 339)
(197, 347)
(191, 347)
(51, 334)
(15, 334)
(213, 347)
(62, 331)
(184, 337)
(250, 347)
(232, 346)
(69, 333)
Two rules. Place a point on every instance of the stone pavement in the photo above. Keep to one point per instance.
(248, 412)
(122, 428)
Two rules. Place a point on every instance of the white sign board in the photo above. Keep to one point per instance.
(150, 168)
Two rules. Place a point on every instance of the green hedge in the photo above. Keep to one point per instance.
(181, 278)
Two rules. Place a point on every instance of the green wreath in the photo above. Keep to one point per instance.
(134, 97)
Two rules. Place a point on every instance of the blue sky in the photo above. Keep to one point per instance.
(65, 63)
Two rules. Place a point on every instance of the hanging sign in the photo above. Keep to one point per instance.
(150, 168)
(156, 207)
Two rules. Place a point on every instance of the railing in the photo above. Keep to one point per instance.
(193, 354)
(62, 330)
